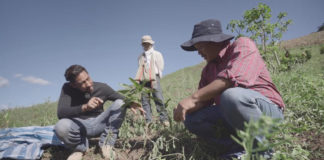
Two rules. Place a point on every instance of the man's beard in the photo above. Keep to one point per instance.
(89, 90)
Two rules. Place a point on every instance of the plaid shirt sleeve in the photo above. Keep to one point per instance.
(244, 63)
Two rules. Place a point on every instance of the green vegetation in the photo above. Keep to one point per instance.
(265, 126)
(37, 115)
(133, 92)
(322, 49)
(287, 59)
(257, 23)
(299, 137)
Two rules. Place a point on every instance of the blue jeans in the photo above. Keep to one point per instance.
(237, 105)
(158, 100)
(74, 132)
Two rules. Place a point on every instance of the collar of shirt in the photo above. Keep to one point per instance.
(221, 54)
(147, 55)
(148, 52)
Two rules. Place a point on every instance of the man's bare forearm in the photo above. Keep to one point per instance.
(204, 95)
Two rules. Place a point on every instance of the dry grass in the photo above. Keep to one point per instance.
(311, 39)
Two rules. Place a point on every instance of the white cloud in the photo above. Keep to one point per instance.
(32, 79)
(18, 75)
(3, 82)
(35, 80)
(4, 107)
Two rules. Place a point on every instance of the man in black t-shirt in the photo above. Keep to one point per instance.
(81, 114)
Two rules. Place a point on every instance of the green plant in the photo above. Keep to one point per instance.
(256, 22)
(133, 92)
(322, 50)
(6, 120)
(308, 54)
(265, 128)
(289, 59)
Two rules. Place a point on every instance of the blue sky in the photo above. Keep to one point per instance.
(39, 39)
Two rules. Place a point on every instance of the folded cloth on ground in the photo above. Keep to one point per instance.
(26, 142)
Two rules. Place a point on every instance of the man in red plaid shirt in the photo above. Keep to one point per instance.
(235, 85)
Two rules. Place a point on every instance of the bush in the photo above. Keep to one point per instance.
(288, 59)
(308, 54)
(322, 50)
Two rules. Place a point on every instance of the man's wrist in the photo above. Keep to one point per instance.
(84, 107)
(195, 97)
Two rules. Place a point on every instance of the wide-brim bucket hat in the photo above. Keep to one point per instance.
(206, 31)
(147, 39)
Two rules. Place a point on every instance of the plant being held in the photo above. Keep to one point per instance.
(132, 94)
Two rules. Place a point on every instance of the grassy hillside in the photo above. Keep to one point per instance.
(302, 89)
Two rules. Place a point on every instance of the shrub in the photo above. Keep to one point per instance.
(288, 60)
(308, 54)
(322, 50)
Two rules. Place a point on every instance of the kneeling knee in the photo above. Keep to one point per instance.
(232, 98)
(118, 103)
(230, 95)
(62, 127)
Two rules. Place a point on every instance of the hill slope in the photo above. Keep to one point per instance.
(311, 39)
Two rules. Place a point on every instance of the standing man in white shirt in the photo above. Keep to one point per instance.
(150, 67)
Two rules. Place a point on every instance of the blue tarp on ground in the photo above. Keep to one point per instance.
(26, 142)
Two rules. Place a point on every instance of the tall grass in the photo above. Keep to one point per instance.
(38, 115)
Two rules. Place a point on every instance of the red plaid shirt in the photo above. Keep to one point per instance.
(242, 64)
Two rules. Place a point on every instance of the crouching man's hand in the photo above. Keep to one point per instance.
(134, 106)
(93, 103)
(185, 106)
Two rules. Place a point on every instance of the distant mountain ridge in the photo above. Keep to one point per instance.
(311, 39)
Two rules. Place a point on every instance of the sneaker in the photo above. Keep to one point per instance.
(268, 154)
(75, 156)
(239, 155)
(107, 151)
(166, 123)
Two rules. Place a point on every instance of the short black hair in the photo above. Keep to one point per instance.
(73, 71)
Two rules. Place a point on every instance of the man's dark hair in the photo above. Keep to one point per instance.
(73, 71)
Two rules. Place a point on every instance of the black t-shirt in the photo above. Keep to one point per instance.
(72, 99)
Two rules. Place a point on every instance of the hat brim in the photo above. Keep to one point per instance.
(148, 41)
(189, 45)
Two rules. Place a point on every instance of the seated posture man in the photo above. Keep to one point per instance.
(235, 85)
(81, 114)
